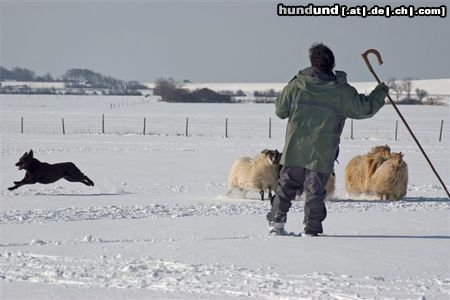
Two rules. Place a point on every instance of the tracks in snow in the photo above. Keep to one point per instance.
(72, 214)
(117, 271)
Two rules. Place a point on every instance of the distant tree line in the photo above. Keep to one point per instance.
(405, 88)
(76, 81)
(22, 74)
(172, 91)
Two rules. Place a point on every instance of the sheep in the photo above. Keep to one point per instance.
(360, 168)
(390, 180)
(259, 173)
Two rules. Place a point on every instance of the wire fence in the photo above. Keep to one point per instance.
(428, 130)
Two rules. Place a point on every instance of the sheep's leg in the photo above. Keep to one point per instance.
(261, 192)
(229, 192)
(271, 196)
(243, 192)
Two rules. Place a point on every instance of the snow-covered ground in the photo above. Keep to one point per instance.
(157, 223)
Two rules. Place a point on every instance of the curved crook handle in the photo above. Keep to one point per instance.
(366, 59)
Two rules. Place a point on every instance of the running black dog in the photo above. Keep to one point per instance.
(41, 172)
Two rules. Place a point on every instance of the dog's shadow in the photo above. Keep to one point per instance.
(86, 195)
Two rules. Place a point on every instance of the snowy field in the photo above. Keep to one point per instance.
(157, 223)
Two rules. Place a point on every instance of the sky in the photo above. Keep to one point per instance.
(215, 41)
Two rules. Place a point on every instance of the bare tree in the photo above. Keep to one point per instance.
(407, 87)
(396, 87)
(421, 94)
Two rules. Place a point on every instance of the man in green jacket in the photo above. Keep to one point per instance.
(317, 102)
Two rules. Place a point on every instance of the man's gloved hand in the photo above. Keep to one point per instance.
(383, 86)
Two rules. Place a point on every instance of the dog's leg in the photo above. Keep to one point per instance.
(14, 187)
(28, 179)
(88, 180)
(73, 174)
(18, 184)
(270, 195)
(71, 179)
(85, 181)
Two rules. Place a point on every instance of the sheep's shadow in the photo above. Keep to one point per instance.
(380, 236)
(404, 200)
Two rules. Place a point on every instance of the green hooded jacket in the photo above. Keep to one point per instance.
(317, 110)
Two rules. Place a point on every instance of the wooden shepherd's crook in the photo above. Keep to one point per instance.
(380, 62)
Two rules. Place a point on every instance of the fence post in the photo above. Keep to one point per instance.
(396, 129)
(145, 121)
(63, 127)
(103, 123)
(21, 125)
(351, 129)
(270, 128)
(226, 127)
(187, 126)
(440, 132)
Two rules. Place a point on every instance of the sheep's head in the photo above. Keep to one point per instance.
(396, 158)
(272, 155)
(385, 151)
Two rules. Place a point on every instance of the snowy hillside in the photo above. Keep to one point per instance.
(157, 225)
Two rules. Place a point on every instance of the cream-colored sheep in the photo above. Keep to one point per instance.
(360, 168)
(390, 180)
(257, 174)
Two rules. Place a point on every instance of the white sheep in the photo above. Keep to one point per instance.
(255, 174)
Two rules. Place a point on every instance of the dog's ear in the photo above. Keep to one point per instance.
(30, 153)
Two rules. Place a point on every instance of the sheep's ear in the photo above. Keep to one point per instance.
(30, 153)
(401, 155)
(265, 151)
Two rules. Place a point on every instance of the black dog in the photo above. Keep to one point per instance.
(41, 172)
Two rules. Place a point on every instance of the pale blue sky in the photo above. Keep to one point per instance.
(213, 41)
